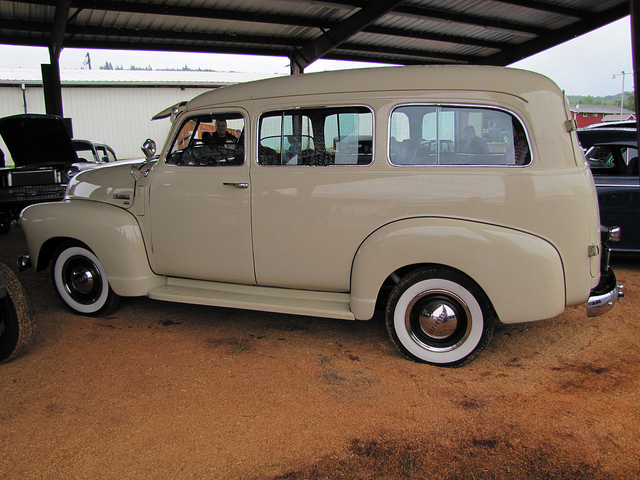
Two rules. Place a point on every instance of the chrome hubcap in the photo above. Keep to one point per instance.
(82, 280)
(438, 320)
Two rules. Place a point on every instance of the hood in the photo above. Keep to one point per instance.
(37, 139)
(108, 183)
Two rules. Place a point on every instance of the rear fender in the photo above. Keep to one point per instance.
(521, 274)
(112, 233)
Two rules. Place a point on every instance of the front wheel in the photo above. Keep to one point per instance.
(81, 282)
(17, 322)
(439, 316)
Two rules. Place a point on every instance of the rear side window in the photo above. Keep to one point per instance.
(316, 137)
(440, 135)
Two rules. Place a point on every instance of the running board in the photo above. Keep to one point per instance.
(266, 299)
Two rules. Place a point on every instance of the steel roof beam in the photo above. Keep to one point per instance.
(546, 7)
(323, 25)
(331, 39)
(333, 33)
(194, 12)
(247, 16)
(60, 19)
(469, 20)
(510, 55)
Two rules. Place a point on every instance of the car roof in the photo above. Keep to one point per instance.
(589, 137)
(519, 83)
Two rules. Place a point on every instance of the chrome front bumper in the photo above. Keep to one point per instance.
(605, 295)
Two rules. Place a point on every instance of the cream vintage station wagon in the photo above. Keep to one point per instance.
(458, 196)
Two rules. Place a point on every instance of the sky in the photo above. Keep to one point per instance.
(585, 65)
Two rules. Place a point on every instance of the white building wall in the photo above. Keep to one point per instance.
(117, 116)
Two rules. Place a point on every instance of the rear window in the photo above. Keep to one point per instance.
(442, 135)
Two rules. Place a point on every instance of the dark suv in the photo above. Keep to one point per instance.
(612, 154)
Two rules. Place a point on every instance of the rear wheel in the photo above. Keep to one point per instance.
(81, 282)
(17, 322)
(439, 316)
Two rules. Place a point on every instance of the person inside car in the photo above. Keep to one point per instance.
(472, 143)
(221, 135)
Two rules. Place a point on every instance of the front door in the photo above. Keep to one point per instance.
(200, 203)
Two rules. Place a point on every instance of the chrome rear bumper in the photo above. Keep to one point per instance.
(605, 295)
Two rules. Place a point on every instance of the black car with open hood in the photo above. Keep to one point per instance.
(42, 153)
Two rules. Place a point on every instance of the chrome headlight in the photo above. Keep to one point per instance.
(72, 171)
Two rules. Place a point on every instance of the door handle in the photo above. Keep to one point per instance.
(238, 185)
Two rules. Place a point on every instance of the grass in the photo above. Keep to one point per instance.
(239, 347)
(411, 465)
(473, 477)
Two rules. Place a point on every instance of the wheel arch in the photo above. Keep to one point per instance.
(48, 249)
(111, 233)
(504, 263)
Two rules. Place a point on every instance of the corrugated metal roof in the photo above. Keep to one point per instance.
(33, 76)
(496, 32)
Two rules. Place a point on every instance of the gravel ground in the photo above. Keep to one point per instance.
(162, 390)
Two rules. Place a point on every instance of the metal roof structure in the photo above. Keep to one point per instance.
(487, 32)
(474, 32)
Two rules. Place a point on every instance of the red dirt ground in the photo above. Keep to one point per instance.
(160, 390)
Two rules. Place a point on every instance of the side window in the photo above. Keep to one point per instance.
(430, 135)
(601, 160)
(85, 155)
(209, 140)
(413, 136)
(103, 154)
(84, 151)
(111, 155)
(316, 136)
(613, 160)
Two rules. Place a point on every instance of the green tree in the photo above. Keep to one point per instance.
(107, 66)
(630, 101)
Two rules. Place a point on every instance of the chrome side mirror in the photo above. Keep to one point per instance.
(149, 149)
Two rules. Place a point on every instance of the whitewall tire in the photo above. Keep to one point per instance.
(81, 282)
(439, 316)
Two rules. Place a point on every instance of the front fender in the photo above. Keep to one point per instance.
(521, 274)
(112, 233)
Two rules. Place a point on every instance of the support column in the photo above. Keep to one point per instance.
(294, 67)
(51, 72)
(52, 87)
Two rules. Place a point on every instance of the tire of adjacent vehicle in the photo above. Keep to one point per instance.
(439, 316)
(17, 322)
(5, 223)
(81, 282)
